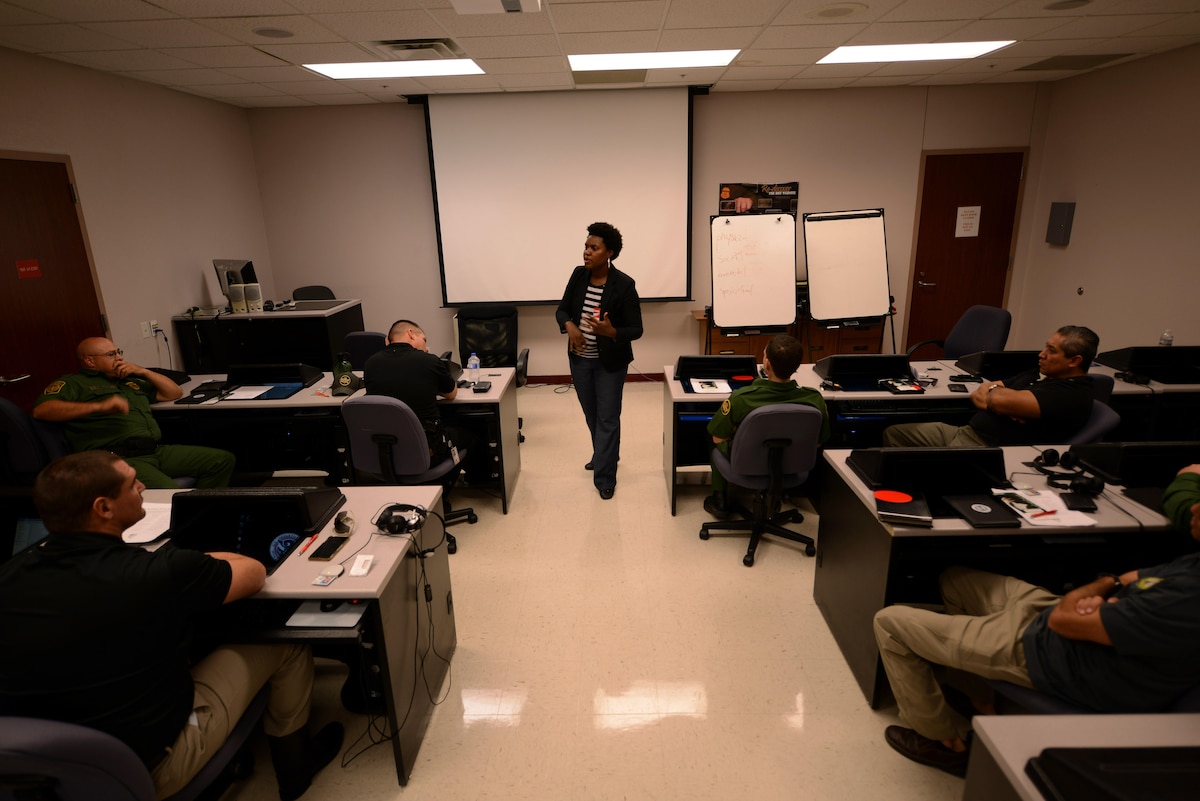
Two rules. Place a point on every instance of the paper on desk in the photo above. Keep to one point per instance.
(152, 526)
(1043, 508)
(710, 385)
(248, 392)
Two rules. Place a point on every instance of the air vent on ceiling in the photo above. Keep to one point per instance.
(1081, 62)
(414, 49)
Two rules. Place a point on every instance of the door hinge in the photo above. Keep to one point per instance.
(74, 195)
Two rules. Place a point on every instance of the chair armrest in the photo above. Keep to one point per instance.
(444, 356)
(522, 367)
(941, 343)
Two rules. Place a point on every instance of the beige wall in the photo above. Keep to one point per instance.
(341, 195)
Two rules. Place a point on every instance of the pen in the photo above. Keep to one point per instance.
(1043, 514)
(311, 540)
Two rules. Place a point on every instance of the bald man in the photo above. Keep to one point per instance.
(106, 406)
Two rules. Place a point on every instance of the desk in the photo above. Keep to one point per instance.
(857, 419)
(306, 431)
(396, 621)
(864, 564)
(1004, 743)
(210, 343)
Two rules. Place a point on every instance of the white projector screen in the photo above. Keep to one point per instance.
(519, 177)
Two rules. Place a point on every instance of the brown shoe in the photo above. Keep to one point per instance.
(717, 506)
(926, 751)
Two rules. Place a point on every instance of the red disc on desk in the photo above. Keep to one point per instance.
(743, 378)
(892, 496)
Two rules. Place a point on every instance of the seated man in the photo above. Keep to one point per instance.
(106, 406)
(780, 360)
(98, 634)
(407, 371)
(1128, 643)
(1048, 404)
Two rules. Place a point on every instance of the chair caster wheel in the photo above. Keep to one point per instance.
(810, 550)
(472, 519)
(748, 560)
(703, 534)
(451, 547)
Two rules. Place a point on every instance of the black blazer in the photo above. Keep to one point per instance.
(619, 301)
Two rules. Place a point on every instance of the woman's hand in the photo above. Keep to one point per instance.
(578, 342)
(603, 327)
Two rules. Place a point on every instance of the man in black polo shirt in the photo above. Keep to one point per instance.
(407, 371)
(97, 632)
(1046, 405)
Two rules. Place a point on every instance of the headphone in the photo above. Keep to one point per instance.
(1075, 481)
(401, 518)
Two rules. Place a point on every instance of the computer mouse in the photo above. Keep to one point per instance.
(330, 605)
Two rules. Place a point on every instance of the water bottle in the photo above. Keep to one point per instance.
(1166, 338)
(473, 369)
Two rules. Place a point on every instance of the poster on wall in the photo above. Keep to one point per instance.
(759, 198)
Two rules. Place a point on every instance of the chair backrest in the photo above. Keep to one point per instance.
(979, 328)
(362, 345)
(1103, 420)
(386, 437)
(24, 453)
(75, 763)
(313, 292)
(797, 423)
(489, 330)
(1102, 387)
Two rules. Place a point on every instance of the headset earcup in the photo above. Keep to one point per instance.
(1069, 460)
(1048, 457)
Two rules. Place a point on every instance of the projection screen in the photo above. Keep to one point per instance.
(519, 177)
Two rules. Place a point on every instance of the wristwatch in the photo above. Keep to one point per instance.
(993, 387)
(1116, 580)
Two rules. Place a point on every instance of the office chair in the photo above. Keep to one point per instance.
(362, 345)
(979, 328)
(313, 292)
(1103, 420)
(1102, 387)
(489, 330)
(1013, 699)
(54, 761)
(388, 445)
(774, 449)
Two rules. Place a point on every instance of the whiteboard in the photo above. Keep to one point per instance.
(846, 253)
(753, 270)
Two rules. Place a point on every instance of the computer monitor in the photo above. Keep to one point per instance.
(233, 271)
(935, 473)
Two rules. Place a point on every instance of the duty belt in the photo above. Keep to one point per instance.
(133, 447)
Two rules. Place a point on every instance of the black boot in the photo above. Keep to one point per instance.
(717, 505)
(298, 757)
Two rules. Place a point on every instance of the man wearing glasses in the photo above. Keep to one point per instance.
(106, 407)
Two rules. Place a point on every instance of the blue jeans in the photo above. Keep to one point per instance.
(600, 394)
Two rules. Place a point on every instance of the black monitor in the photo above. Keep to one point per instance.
(1136, 464)
(859, 372)
(1174, 365)
(234, 271)
(932, 472)
(998, 365)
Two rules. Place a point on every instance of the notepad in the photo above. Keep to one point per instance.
(710, 386)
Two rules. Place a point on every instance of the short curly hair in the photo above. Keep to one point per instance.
(610, 235)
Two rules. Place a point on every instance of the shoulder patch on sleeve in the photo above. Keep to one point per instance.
(54, 388)
(725, 406)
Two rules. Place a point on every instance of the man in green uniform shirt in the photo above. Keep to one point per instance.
(780, 360)
(106, 407)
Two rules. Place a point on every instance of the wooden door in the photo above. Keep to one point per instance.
(48, 298)
(966, 232)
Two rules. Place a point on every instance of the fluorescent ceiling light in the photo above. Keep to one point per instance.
(397, 69)
(652, 61)
(870, 54)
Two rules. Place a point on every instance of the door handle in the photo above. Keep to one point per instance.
(925, 283)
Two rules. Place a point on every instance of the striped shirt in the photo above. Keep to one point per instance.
(591, 311)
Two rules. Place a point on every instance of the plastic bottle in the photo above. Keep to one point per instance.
(473, 369)
(1166, 338)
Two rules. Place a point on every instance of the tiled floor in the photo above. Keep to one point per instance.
(606, 652)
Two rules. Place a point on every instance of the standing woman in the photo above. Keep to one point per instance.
(601, 314)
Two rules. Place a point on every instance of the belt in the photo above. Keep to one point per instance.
(133, 447)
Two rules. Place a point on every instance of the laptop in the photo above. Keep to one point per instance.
(454, 367)
(1117, 774)
(264, 523)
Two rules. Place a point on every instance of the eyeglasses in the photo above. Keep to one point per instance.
(112, 354)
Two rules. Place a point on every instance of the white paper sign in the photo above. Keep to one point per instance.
(968, 221)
